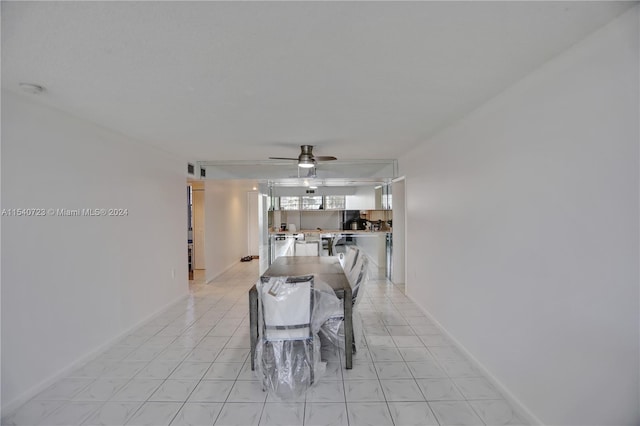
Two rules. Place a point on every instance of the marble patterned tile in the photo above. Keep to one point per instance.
(422, 329)
(369, 414)
(329, 391)
(408, 342)
(380, 354)
(203, 354)
(125, 369)
(412, 414)
(455, 413)
(325, 414)
(383, 341)
(247, 391)
(363, 391)
(137, 390)
(439, 390)
(238, 342)
(162, 341)
(113, 413)
(416, 354)
(155, 414)
(239, 414)
(173, 353)
(100, 390)
(213, 342)
(233, 355)
(211, 391)
(393, 370)
(157, 369)
(360, 371)
(197, 414)
(333, 371)
(144, 353)
(426, 369)
(174, 391)
(246, 373)
(223, 371)
(190, 371)
(282, 414)
(401, 390)
(400, 330)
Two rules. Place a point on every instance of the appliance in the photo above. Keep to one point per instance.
(306, 159)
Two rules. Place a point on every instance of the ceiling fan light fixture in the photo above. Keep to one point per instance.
(306, 163)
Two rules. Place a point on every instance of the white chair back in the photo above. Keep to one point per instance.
(287, 306)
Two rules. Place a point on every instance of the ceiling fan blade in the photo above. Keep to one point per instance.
(324, 158)
(282, 158)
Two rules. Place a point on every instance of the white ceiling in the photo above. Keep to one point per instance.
(248, 80)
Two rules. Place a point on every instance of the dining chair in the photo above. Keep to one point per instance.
(333, 328)
(351, 256)
(358, 276)
(287, 353)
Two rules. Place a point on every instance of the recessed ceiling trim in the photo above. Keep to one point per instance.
(276, 169)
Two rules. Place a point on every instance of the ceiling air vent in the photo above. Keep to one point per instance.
(191, 169)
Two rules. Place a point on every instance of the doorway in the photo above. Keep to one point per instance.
(196, 230)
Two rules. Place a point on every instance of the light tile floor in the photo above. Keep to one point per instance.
(189, 366)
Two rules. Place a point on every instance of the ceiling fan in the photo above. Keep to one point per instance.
(306, 159)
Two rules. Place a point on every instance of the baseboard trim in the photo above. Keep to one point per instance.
(515, 402)
(10, 407)
(208, 280)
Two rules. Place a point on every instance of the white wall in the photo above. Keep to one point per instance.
(398, 254)
(253, 228)
(225, 225)
(363, 199)
(199, 226)
(374, 246)
(70, 284)
(523, 232)
(323, 219)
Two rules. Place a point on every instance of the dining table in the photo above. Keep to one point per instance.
(327, 269)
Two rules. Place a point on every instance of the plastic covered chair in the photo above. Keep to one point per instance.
(349, 259)
(333, 328)
(358, 276)
(291, 311)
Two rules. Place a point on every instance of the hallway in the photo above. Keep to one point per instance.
(189, 366)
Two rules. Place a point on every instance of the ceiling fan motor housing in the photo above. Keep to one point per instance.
(305, 159)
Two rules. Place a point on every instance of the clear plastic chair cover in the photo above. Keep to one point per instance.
(291, 311)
